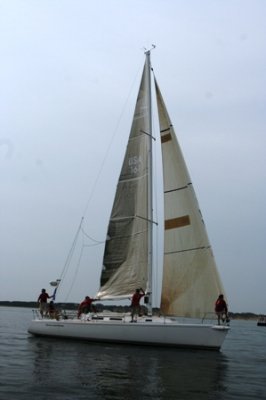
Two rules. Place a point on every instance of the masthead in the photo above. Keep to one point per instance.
(148, 51)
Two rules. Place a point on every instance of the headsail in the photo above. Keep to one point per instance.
(190, 277)
(126, 250)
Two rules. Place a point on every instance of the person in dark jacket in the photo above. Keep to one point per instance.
(42, 300)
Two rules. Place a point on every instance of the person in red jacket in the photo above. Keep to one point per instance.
(135, 306)
(42, 301)
(86, 306)
(221, 309)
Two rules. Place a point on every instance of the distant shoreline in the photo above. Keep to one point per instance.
(100, 307)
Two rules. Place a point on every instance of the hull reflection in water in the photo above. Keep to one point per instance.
(125, 372)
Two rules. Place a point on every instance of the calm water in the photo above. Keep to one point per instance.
(35, 368)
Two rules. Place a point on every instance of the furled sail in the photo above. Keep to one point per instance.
(126, 250)
(190, 278)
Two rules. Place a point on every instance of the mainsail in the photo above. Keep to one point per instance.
(125, 261)
(190, 278)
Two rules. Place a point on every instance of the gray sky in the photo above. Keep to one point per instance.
(68, 69)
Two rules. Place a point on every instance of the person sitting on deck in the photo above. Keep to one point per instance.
(221, 309)
(135, 306)
(86, 306)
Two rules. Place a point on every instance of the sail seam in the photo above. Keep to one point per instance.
(122, 218)
(135, 178)
(128, 236)
(130, 217)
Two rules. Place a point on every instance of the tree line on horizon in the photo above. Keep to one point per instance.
(115, 308)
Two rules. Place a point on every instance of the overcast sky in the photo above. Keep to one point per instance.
(69, 74)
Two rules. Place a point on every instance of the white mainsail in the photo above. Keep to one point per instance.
(125, 261)
(191, 281)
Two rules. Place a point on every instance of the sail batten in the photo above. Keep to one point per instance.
(165, 130)
(179, 188)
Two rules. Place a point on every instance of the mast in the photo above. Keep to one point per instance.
(150, 187)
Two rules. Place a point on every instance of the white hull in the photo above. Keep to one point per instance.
(159, 331)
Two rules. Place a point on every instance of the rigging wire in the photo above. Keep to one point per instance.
(93, 240)
(76, 270)
(70, 254)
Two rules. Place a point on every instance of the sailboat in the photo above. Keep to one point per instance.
(262, 320)
(190, 279)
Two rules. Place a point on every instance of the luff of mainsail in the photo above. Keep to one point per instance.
(125, 261)
(191, 281)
